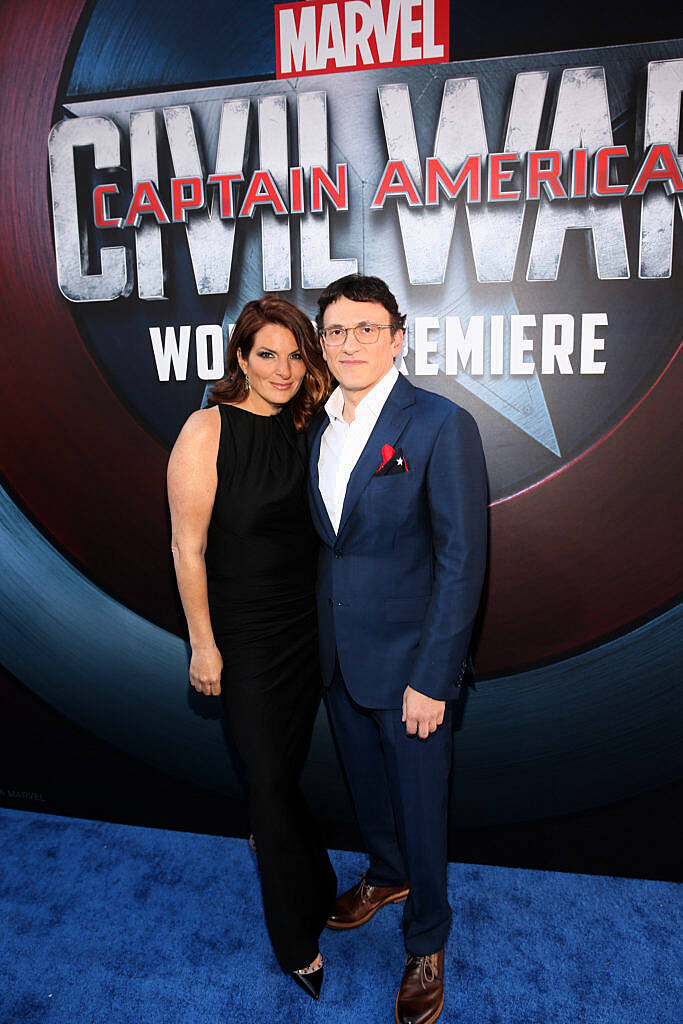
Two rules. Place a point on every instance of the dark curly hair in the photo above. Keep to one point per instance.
(272, 309)
(360, 288)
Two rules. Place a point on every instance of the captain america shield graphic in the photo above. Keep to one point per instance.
(580, 635)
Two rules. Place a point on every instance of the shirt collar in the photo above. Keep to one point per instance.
(370, 405)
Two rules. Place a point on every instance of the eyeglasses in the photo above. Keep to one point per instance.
(365, 333)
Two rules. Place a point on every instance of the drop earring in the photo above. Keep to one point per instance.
(246, 382)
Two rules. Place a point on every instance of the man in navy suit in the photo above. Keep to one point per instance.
(398, 494)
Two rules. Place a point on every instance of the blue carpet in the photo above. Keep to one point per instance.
(110, 923)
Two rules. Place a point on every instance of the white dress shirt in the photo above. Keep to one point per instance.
(342, 443)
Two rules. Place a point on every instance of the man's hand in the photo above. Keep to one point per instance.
(206, 666)
(421, 714)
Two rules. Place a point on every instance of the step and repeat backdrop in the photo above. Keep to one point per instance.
(161, 166)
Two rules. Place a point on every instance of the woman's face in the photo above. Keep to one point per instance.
(275, 369)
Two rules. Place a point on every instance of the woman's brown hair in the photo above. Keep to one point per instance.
(271, 309)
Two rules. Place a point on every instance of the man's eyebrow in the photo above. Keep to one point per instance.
(358, 323)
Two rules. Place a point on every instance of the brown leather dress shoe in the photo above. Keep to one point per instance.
(358, 904)
(420, 997)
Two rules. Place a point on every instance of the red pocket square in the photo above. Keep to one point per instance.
(393, 462)
(387, 452)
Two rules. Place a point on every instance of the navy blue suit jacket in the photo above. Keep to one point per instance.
(399, 585)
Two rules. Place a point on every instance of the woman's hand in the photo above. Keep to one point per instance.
(206, 666)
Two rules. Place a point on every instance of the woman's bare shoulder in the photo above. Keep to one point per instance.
(199, 437)
(202, 425)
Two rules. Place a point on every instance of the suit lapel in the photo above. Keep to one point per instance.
(391, 422)
(318, 509)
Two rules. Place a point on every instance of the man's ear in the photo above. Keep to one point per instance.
(397, 342)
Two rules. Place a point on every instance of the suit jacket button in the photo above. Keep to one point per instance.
(337, 554)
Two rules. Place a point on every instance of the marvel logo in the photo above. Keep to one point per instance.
(344, 35)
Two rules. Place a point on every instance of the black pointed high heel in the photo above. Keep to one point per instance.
(252, 847)
(311, 982)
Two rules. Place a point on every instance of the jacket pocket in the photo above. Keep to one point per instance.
(398, 475)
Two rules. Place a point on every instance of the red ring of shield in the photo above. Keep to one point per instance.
(581, 555)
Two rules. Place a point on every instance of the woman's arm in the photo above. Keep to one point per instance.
(192, 480)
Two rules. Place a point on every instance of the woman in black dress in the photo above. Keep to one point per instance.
(245, 554)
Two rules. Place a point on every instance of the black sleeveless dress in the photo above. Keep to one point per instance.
(261, 559)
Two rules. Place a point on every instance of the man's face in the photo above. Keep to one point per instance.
(359, 367)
